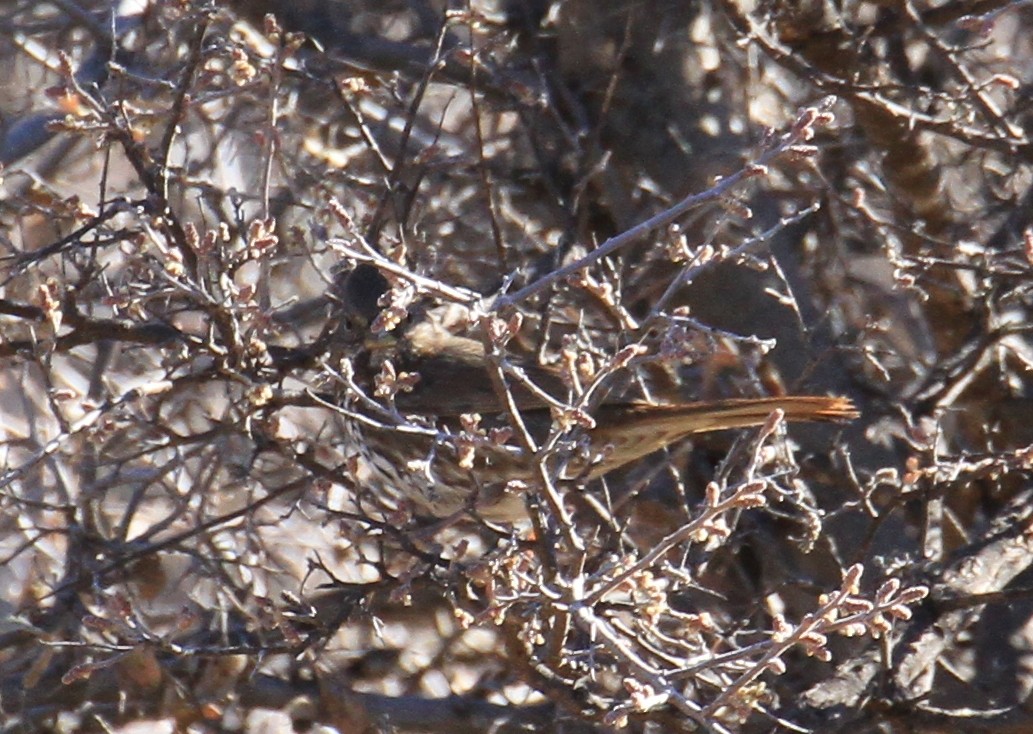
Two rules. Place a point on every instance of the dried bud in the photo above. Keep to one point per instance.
(242, 71)
(260, 395)
(624, 357)
(802, 152)
(262, 237)
(852, 579)
(886, 592)
(48, 295)
(271, 27)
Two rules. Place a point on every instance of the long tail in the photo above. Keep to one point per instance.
(637, 430)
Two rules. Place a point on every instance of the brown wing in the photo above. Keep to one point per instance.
(453, 378)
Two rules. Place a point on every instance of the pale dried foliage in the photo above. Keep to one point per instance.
(656, 199)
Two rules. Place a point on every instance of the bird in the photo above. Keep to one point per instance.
(438, 443)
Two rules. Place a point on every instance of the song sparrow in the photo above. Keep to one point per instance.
(426, 445)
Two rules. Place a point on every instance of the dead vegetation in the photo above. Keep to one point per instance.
(653, 198)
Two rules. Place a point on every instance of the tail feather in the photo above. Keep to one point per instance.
(643, 429)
